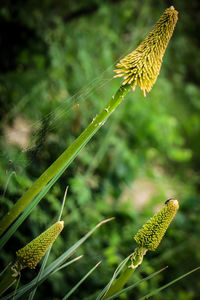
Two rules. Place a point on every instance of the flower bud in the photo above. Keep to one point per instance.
(151, 234)
(32, 253)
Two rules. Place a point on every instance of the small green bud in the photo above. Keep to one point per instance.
(142, 66)
(32, 253)
(151, 234)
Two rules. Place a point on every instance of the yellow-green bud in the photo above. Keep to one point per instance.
(151, 234)
(142, 66)
(32, 253)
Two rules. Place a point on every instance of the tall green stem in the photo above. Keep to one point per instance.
(135, 259)
(65, 159)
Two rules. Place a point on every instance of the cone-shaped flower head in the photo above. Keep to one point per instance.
(142, 66)
(32, 253)
(151, 234)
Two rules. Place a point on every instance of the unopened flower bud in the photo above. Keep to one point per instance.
(151, 234)
(32, 253)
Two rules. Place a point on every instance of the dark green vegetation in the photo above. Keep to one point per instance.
(56, 70)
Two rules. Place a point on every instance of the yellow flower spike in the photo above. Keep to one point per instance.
(32, 253)
(151, 234)
(142, 66)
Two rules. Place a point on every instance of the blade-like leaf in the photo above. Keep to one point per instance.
(80, 282)
(168, 284)
(135, 284)
(116, 273)
(28, 209)
(35, 283)
(66, 264)
(54, 265)
(32, 294)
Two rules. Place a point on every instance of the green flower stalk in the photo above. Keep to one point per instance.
(142, 66)
(147, 238)
(32, 253)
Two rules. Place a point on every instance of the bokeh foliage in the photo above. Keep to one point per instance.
(56, 74)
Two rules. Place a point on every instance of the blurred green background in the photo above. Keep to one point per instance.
(57, 61)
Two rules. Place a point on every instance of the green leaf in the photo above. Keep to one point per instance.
(116, 273)
(28, 210)
(168, 284)
(32, 294)
(80, 282)
(135, 284)
(54, 265)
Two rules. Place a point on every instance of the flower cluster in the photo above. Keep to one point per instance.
(142, 66)
(32, 253)
(151, 234)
